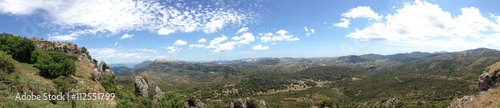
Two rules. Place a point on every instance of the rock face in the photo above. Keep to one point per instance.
(157, 97)
(482, 98)
(103, 69)
(70, 48)
(141, 86)
(489, 78)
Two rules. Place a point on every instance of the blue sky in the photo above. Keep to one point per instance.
(130, 31)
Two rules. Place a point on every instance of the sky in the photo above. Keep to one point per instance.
(131, 31)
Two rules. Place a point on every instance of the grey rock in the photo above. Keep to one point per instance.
(391, 103)
(141, 86)
(157, 97)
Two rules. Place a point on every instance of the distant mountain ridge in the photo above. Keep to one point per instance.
(288, 64)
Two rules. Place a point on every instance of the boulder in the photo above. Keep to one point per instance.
(157, 97)
(392, 103)
(141, 86)
(248, 103)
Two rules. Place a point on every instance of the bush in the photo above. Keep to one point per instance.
(108, 82)
(171, 100)
(53, 64)
(126, 103)
(61, 84)
(6, 63)
(20, 48)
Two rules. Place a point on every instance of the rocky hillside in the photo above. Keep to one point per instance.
(487, 92)
(41, 72)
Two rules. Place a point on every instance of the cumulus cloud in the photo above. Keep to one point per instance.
(225, 46)
(260, 47)
(216, 41)
(309, 32)
(202, 40)
(83, 17)
(358, 12)
(223, 43)
(172, 49)
(125, 36)
(245, 38)
(180, 42)
(424, 22)
(281, 35)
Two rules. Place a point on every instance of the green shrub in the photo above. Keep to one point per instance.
(6, 63)
(126, 103)
(108, 82)
(53, 64)
(20, 48)
(171, 100)
(61, 84)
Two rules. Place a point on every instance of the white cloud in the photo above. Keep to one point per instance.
(225, 46)
(125, 36)
(422, 24)
(165, 31)
(202, 40)
(281, 35)
(180, 43)
(309, 32)
(344, 23)
(115, 16)
(358, 12)
(196, 46)
(68, 37)
(172, 49)
(260, 47)
(242, 30)
(245, 38)
(216, 40)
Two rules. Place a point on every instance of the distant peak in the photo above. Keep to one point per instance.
(165, 60)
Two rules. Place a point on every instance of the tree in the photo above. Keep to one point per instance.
(20, 48)
(171, 100)
(53, 64)
(6, 63)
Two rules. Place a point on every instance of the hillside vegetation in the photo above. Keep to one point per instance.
(415, 79)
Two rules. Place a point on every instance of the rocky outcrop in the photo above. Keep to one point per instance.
(482, 98)
(102, 70)
(489, 78)
(71, 49)
(392, 103)
(157, 97)
(141, 86)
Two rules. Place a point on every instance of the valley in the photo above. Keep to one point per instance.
(415, 79)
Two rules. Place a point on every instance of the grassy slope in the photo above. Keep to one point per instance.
(27, 73)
